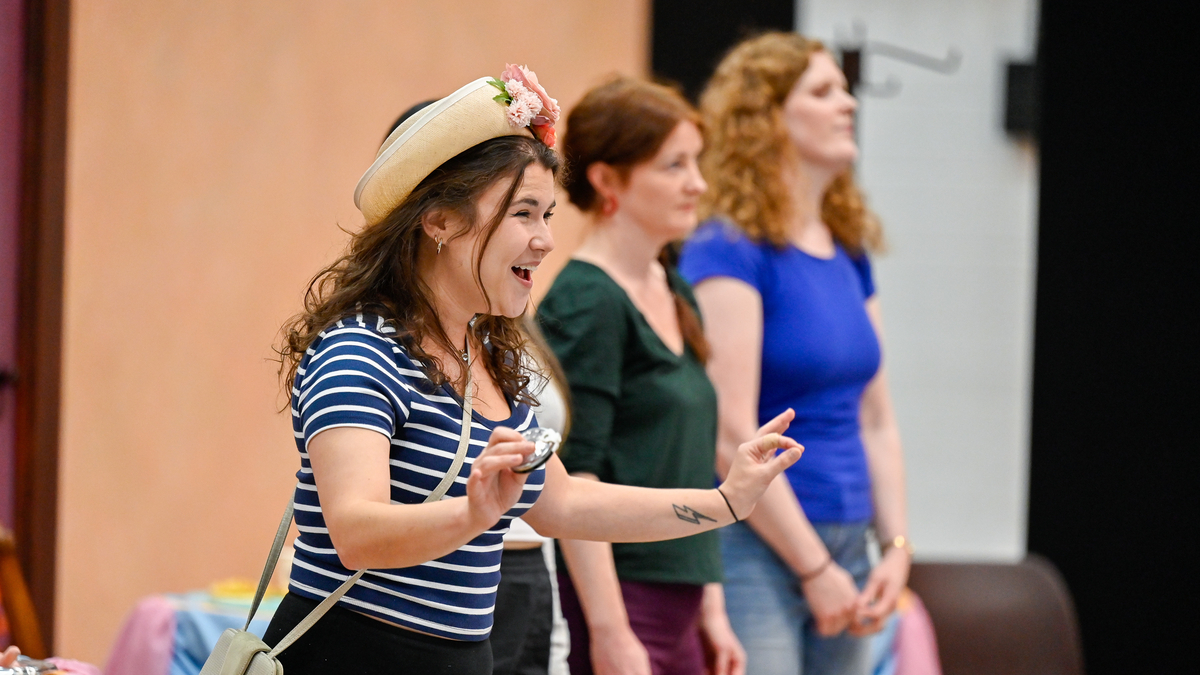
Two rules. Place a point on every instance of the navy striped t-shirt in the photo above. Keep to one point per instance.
(356, 375)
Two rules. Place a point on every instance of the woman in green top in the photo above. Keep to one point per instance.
(625, 327)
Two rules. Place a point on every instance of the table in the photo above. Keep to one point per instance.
(173, 634)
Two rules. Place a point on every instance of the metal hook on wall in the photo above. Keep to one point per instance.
(856, 46)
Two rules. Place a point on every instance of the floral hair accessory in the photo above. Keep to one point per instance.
(528, 104)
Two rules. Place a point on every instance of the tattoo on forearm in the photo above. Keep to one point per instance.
(691, 515)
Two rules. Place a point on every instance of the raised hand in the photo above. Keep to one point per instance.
(493, 487)
(757, 464)
(9, 656)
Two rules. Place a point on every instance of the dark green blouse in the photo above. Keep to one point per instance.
(640, 415)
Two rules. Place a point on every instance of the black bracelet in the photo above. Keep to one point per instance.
(809, 576)
(731, 511)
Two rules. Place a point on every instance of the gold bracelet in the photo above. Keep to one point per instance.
(901, 542)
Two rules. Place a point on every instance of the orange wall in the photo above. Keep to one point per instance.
(213, 152)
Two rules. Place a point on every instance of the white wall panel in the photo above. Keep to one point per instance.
(958, 200)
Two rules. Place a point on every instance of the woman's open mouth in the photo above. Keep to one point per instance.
(524, 273)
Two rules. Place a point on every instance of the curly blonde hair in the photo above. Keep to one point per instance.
(747, 147)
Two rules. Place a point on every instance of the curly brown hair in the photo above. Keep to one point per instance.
(378, 274)
(747, 147)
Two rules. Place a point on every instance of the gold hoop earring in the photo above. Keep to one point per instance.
(439, 249)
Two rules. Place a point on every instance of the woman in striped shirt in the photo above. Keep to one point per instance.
(427, 299)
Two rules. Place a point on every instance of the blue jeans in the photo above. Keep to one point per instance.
(770, 615)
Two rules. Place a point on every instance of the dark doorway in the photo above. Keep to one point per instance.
(1113, 484)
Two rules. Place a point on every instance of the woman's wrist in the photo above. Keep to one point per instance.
(812, 573)
(728, 505)
(897, 543)
(734, 501)
(475, 520)
(608, 627)
(712, 604)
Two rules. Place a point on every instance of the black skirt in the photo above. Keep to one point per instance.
(524, 615)
(344, 641)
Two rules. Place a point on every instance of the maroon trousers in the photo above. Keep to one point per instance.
(665, 617)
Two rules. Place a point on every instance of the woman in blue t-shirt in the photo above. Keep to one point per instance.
(782, 277)
(420, 315)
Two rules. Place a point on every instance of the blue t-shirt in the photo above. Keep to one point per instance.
(356, 375)
(819, 352)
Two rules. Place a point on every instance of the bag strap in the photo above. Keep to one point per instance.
(464, 441)
(315, 615)
(272, 559)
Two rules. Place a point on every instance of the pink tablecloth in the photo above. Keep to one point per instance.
(147, 641)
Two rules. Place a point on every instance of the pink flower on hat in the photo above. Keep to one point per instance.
(519, 113)
(527, 103)
(520, 93)
(529, 80)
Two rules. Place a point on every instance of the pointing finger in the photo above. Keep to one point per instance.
(779, 424)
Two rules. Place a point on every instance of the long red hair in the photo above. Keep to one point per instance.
(623, 123)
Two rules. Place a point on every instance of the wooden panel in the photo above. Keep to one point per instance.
(41, 281)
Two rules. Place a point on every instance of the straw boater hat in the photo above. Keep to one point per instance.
(513, 105)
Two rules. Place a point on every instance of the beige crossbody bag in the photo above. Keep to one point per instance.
(240, 652)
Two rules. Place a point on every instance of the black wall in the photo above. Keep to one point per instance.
(1113, 493)
(690, 37)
